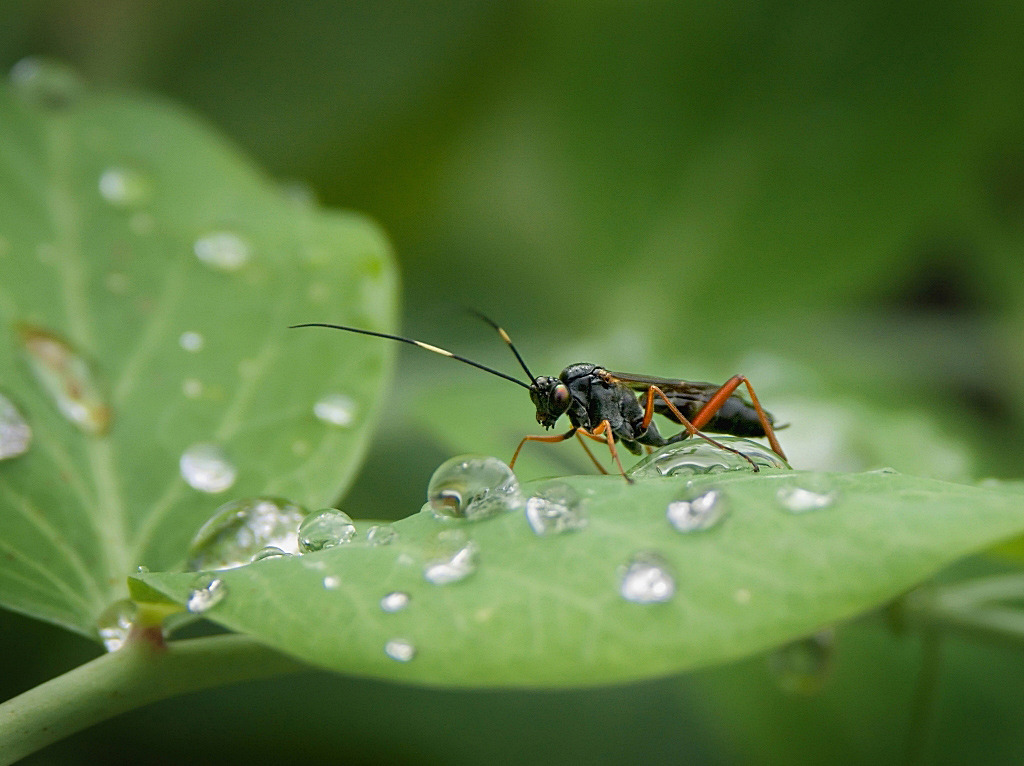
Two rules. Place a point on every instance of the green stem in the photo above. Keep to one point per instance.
(134, 676)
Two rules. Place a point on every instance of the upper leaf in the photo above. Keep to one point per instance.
(148, 274)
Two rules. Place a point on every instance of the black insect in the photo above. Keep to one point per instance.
(619, 407)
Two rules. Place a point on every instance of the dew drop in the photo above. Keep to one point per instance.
(694, 510)
(381, 534)
(456, 562)
(238, 530)
(115, 624)
(15, 433)
(812, 493)
(192, 388)
(803, 666)
(395, 601)
(209, 592)
(47, 83)
(647, 579)
(399, 649)
(555, 508)
(124, 187)
(335, 409)
(471, 487)
(222, 250)
(325, 529)
(205, 467)
(695, 457)
(332, 582)
(269, 552)
(192, 341)
(68, 378)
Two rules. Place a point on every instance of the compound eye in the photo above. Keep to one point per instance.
(560, 398)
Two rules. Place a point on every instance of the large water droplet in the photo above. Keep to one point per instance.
(209, 592)
(124, 187)
(241, 528)
(15, 434)
(647, 579)
(400, 649)
(696, 509)
(456, 561)
(205, 467)
(395, 601)
(811, 493)
(555, 508)
(802, 666)
(693, 457)
(222, 250)
(47, 83)
(472, 487)
(68, 378)
(335, 409)
(190, 340)
(381, 534)
(114, 625)
(325, 529)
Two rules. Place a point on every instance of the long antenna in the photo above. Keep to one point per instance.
(425, 346)
(504, 337)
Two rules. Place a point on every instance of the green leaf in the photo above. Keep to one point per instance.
(547, 610)
(148, 274)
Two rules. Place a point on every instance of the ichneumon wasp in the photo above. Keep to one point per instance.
(619, 407)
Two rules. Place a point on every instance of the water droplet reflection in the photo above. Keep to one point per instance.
(208, 593)
(68, 379)
(206, 468)
(238, 530)
(697, 509)
(471, 487)
(325, 529)
(335, 409)
(647, 579)
(15, 433)
(695, 457)
(457, 560)
(812, 492)
(381, 534)
(114, 625)
(555, 508)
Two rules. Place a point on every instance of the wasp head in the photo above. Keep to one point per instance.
(551, 397)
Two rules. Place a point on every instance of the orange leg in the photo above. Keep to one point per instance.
(542, 438)
(714, 404)
(590, 454)
(609, 439)
(691, 428)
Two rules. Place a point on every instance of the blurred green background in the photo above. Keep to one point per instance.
(828, 198)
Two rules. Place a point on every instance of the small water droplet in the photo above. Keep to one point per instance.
(15, 434)
(555, 508)
(694, 457)
(142, 569)
(239, 529)
(205, 467)
(192, 341)
(124, 187)
(325, 529)
(802, 666)
(192, 388)
(812, 493)
(45, 82)
(209, 592)
(400, 649)
(335, 409)
(395, 601)
(471, 487)
(332, 582)
(68, 378)
(647, 579)
(381, 534)
(269, 552)
(697, 509)
(456, 562)
(222, 250)
(115, 624)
